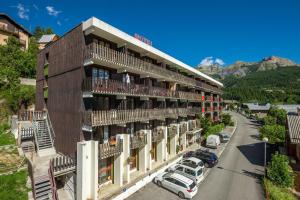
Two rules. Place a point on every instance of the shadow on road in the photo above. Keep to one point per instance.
(254, 175)
(253, 152)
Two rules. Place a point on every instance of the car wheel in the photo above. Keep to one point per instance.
(181, 195)
(159, 183)
(206, 165)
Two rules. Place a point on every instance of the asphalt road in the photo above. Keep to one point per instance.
(236, 177)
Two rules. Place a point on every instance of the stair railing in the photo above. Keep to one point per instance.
(35, 131)
(52, 182)
(50, 128)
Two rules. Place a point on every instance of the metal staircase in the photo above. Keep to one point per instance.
(42, 188)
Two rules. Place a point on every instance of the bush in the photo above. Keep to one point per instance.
(214, 130)
(277, 193)
(279, 171)
(226, 118)
(269, 120)
(275, 133)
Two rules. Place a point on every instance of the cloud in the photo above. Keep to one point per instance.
(51, 11)
(219, 61)
(35, 7)
(207, 61)
(23, 12)
(58, 23)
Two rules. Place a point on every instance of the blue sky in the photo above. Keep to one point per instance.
(189, 30)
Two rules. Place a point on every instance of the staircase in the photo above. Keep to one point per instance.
(44, 135)
(42, 188)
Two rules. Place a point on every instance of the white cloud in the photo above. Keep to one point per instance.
(51, 11)
(219, 61)
(207, 61)
(58, 23)
(35, 7)
(23, 12)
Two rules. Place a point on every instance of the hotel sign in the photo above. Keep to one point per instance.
(143, 39)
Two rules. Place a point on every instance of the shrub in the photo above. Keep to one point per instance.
(214, 130)
(279, 171)
(269, 120)
(275, 133)
(277, 193)
(226, 118)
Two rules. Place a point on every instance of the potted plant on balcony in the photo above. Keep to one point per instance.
(112, 141)
(177, 149)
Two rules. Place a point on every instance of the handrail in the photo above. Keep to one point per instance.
(52, 182)
(52, 133)
(97, 51)
(35, 130)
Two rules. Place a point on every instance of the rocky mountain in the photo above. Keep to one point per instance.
(241, 69)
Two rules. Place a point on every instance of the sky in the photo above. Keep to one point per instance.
(193, 31)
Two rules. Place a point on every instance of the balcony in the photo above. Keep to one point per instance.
(109, 117)
(112, 148)
(5, 28)
(216, 108)
(95, 53)
(172, 131)
(138, 141)
(208, 109)
(114, 87)
(208, 98)
(157, 135)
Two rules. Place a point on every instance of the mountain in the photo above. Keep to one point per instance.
(241, 69)
(270, 80)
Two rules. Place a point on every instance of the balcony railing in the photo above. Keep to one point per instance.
(208, 109)
(130, 63)
(138, 141)
(182, 128)
(208, 98)
(109, 117)
(29, 114)
(109, 86)
(107, 150)
(172, 131)
(157, 135)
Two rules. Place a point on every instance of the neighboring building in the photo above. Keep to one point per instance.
(8, 27)
(293, 135)
(140, 104)
(46, 39)
(262, 110)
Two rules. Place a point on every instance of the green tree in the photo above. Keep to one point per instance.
(39, 31)
(269, 120)
(226, 119)
(275, 133)
(205, 123)
(279, 114)
(279, 171)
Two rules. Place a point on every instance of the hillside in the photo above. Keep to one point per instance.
(279, 85)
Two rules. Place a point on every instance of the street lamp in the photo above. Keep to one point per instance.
(265, 139)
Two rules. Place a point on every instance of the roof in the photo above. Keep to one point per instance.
(256, 106)
(181, 178)
(196, 160)
(294, 128)
(15, 23)
(289, 108)
(125, 38)
(47, 38)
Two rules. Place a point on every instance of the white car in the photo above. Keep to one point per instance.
(213, 141)
(188, 170)
(182, 186)
(192, 160)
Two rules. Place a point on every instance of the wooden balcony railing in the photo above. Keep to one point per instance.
(157, 135)
(208, 109)
(208, 98)
(109, 86)
(107, 150)
(109, 117)
(138, 141)
(62, 165)
(172, 131)
(29, 114)
(122, 60)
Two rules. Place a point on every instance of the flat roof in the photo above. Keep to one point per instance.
(121, 36)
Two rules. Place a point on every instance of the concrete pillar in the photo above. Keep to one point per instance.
(148, 150)
(87, 170)
(126, 153)
(165, 141)
(119, 166)
(143, 159)
(203, 104)
(162, 147)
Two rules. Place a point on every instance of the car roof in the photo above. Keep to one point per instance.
(192, 167)
(224, 134)
(181, 178)
(196, 160)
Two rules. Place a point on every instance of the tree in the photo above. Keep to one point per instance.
(39, 31)
(279, 171)
(269, 120)
(205, 123)
(279, 114)
(275, 133)
(226, 119)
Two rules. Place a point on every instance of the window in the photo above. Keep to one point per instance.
(190, 172)
(180, 183)
(199, 172)
(179, 169)
(171, 180)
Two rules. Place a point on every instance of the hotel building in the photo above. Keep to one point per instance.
(140, 104)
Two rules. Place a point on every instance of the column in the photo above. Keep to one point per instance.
(148, 150)
(203, 104)
(143, 159)
(87, 170)
(119, 165)
(126, 152)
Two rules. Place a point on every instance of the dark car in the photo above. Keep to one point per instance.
(210, 159)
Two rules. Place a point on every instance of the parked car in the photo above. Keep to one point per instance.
(213, 141)
(181, 185)
(210, 159)
(189, 170)
(192, 160)
(224, 137)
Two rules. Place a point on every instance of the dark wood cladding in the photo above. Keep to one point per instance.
(64, 103)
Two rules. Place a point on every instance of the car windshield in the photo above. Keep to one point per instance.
(199, 172)
(201, 164)
(192, 185)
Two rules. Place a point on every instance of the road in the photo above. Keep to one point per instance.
(236, 177)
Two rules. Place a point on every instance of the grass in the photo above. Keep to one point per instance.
(277, 193)
(6, 137)
(13, 186)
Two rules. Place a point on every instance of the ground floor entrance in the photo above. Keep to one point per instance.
(105, 167)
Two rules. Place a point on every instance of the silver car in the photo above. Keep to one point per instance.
(182, 186)
(188, 170)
